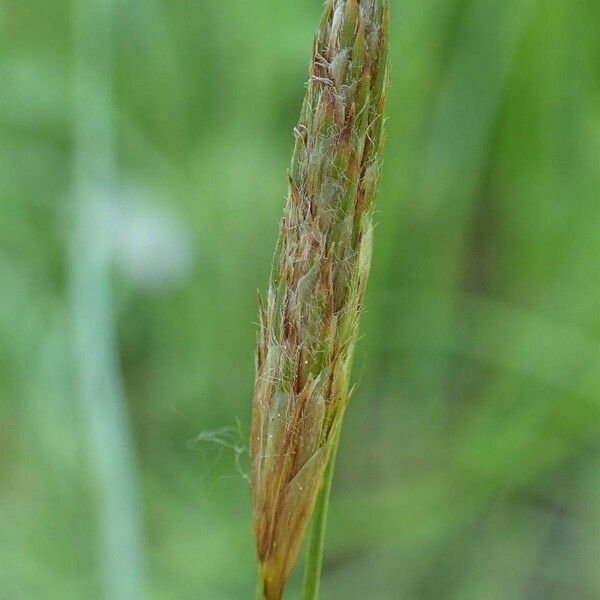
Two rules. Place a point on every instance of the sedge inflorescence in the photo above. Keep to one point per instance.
(309, 320)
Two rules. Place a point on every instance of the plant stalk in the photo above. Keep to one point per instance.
(314, 558)
(260, 594)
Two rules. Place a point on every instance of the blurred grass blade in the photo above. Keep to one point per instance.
(101, 391)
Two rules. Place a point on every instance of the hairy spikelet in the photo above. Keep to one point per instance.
(309, 322)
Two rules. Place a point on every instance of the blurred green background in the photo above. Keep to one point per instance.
(143, 149)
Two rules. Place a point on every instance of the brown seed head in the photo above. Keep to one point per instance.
(309, 324)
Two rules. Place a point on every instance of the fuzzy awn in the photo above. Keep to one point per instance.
(309, 322)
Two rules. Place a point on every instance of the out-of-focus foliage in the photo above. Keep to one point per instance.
(467, 463)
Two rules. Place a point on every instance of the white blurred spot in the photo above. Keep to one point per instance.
(147, 242)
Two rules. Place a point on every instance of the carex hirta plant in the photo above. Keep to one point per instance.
(309, 320)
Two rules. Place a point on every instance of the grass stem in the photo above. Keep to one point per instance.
(260, 594)
(314, 558)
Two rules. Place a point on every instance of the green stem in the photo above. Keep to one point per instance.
(260, 593)
(314, 559)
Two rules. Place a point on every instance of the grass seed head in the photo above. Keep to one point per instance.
(309, 322)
